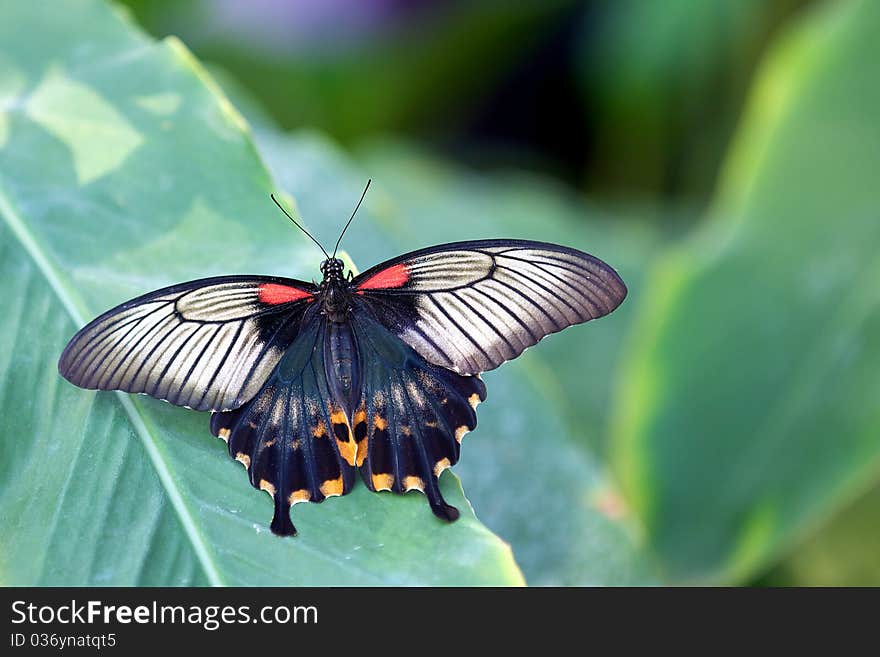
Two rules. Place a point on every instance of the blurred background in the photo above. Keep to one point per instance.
(715, 152)
(622, 100)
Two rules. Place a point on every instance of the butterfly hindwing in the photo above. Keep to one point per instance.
(293, 437)
(207, 344)
(411, 416)
(470, 306)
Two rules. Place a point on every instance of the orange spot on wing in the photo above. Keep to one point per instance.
(301, 495)
(273, 293)
(395, 276)
(332, 487)
(347, 450)
(413, 482)
(383, 481)
(440, 466)
(361, 454)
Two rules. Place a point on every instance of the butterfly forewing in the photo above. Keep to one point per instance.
(208, 344)
(470, 306)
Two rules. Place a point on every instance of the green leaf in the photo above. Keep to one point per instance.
(122, 169)
(749, 405)
(526, 469)
(842, 553)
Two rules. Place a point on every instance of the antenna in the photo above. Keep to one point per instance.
(303, 229)
(352, 216)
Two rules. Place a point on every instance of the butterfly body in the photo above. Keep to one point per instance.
(343, 359)
(375, 374)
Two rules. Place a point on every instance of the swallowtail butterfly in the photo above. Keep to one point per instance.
(378, 373)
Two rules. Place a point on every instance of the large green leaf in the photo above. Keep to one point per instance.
(749, 409)
(122, 168)
(526, 469)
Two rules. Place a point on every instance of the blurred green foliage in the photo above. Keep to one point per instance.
(720, 427)
(842, 553)
(425, 65)
(629, 97)
(753, 377)
(663, 84)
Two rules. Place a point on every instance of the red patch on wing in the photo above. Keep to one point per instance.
(395, 276)
(273, 293)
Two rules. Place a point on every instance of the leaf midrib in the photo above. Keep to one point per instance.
(77, 312)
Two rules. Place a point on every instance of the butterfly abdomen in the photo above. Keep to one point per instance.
(341, 362)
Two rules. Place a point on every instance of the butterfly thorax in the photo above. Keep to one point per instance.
(335, 294)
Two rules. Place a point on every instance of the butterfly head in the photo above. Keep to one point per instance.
(333, 269)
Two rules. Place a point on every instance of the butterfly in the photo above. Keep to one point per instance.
(377, 373)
